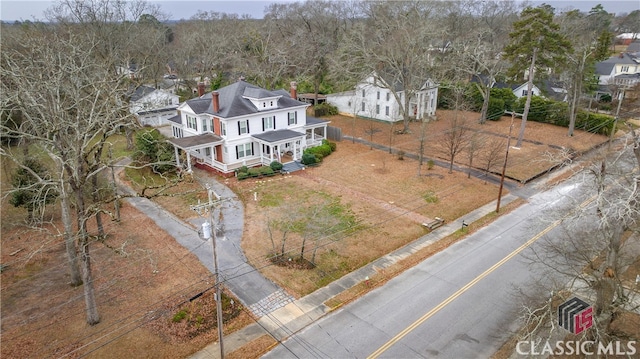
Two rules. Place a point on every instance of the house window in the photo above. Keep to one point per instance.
(207, 151)
(363, 94)
(177, 132)
(388, 96)
(625, 69)
(205, 124)
(377, 109)
(362, 105)
(245, 150)
(268, 123)
(243, 127)
(386, 110)
(524, 92)
(192, 123)
(378, 95)
(223, 128)
(293, 118)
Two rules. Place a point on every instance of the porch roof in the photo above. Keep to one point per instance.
(316, 122)
(278, 135)
(195, 141)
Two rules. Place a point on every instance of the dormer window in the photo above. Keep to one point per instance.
(262, 99)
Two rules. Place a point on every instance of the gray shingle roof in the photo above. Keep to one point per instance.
(195, 141)
(233, 104)
(605, 67)
(278, 135)
(140, 92)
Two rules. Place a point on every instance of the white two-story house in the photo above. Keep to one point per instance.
(153, 107)
(373, 98)
(244, 125)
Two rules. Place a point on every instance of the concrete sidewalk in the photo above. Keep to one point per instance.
(300, 313)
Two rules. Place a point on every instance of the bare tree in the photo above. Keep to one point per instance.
(456, 137)
(370, 131)
(477, 53)
(491, 154)
(390, 45)
(70, 105)
(310, 32)
(476, 142)
(595, 248)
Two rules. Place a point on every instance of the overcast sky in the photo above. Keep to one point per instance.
(11, 10)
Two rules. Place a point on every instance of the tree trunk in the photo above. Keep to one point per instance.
(406, 114)
(527, 104)
(129, 135)
(69, 238)
(91, 307)
(572, 114)
(608, 284)
(485, 104)
(89, 293)
(577, 90)
(96, 198)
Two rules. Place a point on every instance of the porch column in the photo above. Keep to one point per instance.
(188, 162)
(177, 153)
(271, 153)
(295, 150)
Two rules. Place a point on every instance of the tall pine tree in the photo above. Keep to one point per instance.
(537, 45)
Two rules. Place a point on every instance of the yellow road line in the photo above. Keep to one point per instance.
(459, 292)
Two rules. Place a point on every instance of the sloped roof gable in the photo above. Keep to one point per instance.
(234, 102)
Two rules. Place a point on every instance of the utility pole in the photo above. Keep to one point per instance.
(209, 230)
(506, 157)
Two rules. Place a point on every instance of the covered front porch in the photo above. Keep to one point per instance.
(281, 145)
(205, 149)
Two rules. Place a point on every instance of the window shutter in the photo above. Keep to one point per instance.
(237, 153)
(252, 149)
(247, 126)
(238, 130)
(274, 122)
(263, 121)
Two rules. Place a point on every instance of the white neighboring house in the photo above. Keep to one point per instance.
(623, 69)
(372, 99)
(244, 125)
(521, 91)
(153, 107)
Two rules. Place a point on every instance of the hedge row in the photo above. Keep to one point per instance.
(244, 172)
(313, 155)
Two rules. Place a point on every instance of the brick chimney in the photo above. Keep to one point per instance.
(200, 88)
(294, 90)
(215, 99)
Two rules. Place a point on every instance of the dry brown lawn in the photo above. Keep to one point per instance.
(42, 316)
(544, 145)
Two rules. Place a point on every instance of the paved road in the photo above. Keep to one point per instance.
(458, 304)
